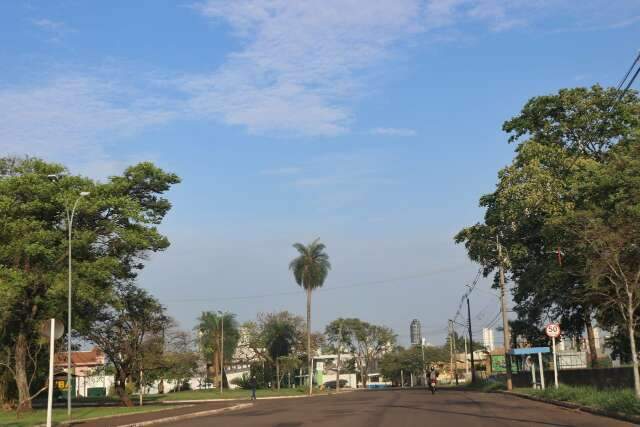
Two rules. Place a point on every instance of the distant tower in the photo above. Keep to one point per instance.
(487, 339)
(415, 332)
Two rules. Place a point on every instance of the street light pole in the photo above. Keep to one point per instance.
(424, 366)
(70, 216)
(221, 351)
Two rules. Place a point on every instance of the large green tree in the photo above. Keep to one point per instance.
(123, 330)
(114, 230)
(607, 226)
(310, 269)
(558, 136)
(368, 342)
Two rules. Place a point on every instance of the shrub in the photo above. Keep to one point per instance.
(622, 400)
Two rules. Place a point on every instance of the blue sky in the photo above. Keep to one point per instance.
(372, 125)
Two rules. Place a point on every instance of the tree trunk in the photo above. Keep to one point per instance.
(634, 352)
(591, 340)
(309, 341)
(21, 348)
(278, 372)
(161, 386)
(121, 388)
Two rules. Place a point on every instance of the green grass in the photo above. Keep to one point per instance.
(486, 385)
(623, 400)
(39, 416)
(230, 394)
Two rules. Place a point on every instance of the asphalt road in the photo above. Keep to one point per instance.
(403, 408)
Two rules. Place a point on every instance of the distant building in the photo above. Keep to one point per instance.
(487, 339)
(415, 332)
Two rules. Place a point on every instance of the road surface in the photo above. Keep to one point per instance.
(403, 408)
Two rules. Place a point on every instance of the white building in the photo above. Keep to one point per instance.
(487, 339)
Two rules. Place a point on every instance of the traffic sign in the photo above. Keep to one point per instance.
(553, 330)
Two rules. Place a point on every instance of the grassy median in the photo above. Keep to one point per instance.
(623, 401)
(39, 416)
(232, 394)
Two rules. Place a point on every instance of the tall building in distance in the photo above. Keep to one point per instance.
(415, 332)
(487, 339)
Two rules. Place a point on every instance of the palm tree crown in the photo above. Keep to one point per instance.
(311, 267)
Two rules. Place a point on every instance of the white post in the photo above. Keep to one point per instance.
(52, 339)
(533, 373)
(541, 370)
(555, 363)
(411, 379)
(401, 378)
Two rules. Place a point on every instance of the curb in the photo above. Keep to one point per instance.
(188, 416)
(179, 402)
(595, 411)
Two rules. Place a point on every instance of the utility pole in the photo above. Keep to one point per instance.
(466, 361)
(222, 356)
(424, 366)
(505, 319)
(451, 347)
(473, 368)
(339, 351)
(222, 351)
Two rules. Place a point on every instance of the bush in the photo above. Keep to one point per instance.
(623, 400)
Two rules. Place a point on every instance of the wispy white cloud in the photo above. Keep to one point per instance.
(393, 132)
(301, 61)
(54, 29)
(73, 115)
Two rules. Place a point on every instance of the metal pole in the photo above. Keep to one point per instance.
(222, 354)
(451, 348)
(69, 229)
(401, 378)
(142, 386)
(555, 364)
(52, 339)
(541, 370)
(424, 366)
(505, 319)
(473, 368)
(339, 350)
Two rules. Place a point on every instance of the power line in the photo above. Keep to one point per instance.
(334, 288)
(628, 72)
(624, 79)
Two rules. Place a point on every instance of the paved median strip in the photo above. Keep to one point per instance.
(188, 416)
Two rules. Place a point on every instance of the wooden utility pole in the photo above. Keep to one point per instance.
(473, 368)
(505, 319)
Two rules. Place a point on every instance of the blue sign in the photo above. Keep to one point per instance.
(530, 350)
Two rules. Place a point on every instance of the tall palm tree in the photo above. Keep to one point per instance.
(310, 269)
(209, 328)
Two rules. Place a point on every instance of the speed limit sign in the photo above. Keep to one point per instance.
(553, 330)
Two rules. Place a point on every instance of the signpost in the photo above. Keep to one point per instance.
(553, 331)
(51, 330)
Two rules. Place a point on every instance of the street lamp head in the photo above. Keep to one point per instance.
(84, 193)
